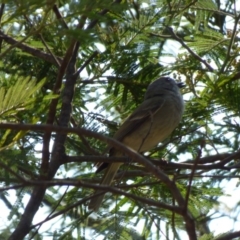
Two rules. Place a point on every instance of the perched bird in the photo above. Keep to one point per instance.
(152, 122)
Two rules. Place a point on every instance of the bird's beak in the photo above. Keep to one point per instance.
(181, 85)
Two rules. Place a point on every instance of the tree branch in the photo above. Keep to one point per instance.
(190, 226)
(229, 236)
(32, 51)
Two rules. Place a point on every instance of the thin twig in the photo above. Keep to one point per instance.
(2, 189)
(174, 36)
(230, 44)
(56, 62)
(78, 203)
(104, 188)
(49, 215)
(25, 48)
(191, 177)
(4, 166)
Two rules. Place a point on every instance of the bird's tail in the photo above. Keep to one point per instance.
(107, 180)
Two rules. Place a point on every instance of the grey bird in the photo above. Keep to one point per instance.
(152, 122)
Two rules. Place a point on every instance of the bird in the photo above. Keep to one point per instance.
(151, 123)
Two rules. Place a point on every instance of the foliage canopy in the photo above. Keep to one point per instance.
(71, 71)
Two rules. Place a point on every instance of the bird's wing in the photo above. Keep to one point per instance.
(145, 111)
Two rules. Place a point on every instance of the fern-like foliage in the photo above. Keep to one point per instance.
(19, 96)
